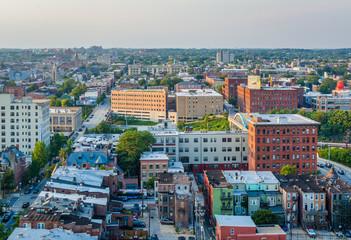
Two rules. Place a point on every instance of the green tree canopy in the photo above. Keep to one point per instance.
(105, 128)
(262, 217)
(40, 153)
(288, 170)
(327, 86)
(130, 147)
(57, 141)
(55, 102)
(8, 181)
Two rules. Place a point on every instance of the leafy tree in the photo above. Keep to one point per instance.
(180, 124)
(63, 154)
(55, 102)
(150, 184)
(223, 76)
(262, 217)
(233, 101)
(7, 182)
(11, 83)
(105, 128)
(101, 98)
(40, 153)
(130, 147)
(102, 167)
(219, 89)
(78, 90)
(32, 88)
(327, 86)
(288, 170)
(191, 71)
(57, 141)
(199, 77)
(67, 103)
(4, 234)
(48, 170)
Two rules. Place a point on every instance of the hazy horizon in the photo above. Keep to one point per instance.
(210, 24)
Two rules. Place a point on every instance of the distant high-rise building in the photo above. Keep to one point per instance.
(225, 57)
(24, 122)
(54, 73)
(26, 53)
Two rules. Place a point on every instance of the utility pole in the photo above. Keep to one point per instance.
(149, 224)
(142, 198)
(347, 138)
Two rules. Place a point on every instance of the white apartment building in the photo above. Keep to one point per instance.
(137, 69)
(202, 150)
(24, 122)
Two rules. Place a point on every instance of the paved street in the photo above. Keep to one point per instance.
(99, 113)
(337, 166)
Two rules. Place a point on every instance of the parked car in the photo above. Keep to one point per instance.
(321, 165)
(166, 221)
(122, 198)
(139, 224)
(346, 233)
(136, 206)
(36, 191)
(191, 238)
(154, 237)
(88, 120)
(7, 217)
(311, 232)
(340, 171)
(143, 207)
(27, 191)
(328, 165)
(25, 205)
(31, 187)
(181, 238)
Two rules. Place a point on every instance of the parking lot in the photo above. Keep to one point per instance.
(300, 234)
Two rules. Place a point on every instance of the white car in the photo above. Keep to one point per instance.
(311, 232)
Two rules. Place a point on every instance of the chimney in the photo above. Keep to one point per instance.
(12, 159)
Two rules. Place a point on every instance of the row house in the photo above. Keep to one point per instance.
(173, 191)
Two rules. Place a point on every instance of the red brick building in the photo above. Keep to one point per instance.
(187, 85)
(279, 140)
(17, 92)
(231, 84)
(265, 99)
(243, 228)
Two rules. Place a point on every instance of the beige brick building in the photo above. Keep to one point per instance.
(194, 104)
(65, 119)
(152, 164)
(149, 104)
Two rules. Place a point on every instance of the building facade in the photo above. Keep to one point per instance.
(142, 104)
(24, 122)
(279, 140)
(231, 86)
(192, 105)
(65, 119)
(137, 69)
(152, 164)
(265, 99)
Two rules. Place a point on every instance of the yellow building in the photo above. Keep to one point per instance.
(65, 119)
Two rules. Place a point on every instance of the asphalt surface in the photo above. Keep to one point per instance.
(98, 114)
(337, 166)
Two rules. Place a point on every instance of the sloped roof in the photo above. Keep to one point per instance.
(332, 174)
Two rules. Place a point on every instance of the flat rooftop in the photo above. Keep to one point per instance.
(153, 156)
(250, 177)
(198, 92)
(238, 221)
(275, 119)
(276, 229)
(56, 233)
(75, 187)
(64, 109)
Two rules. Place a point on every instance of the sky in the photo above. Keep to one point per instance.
(175, 23)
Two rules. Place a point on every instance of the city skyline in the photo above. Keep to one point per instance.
(158, 24)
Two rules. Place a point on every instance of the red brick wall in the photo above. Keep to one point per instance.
(261, 152)
(231, 85)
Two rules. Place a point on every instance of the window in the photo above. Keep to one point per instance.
(232, 231)
(40, 226)
(196, 140)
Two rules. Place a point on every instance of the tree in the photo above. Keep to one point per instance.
(7, 182)
(48, 170)
(150, 184)
(40, 153)
(32, 88)
(262, 217)
(55, 102)
(63, 154)
(105, 128)
(288, 170)
(327, 86)
(57, 141)
(101, 98)
(191, 71)
(130, 147)
(11, 83)
(67, 103)
(78, 90)
(199, 77)
(232, 101)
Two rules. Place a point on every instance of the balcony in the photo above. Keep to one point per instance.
(316, 212)
(226, 208)
(226, 198)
